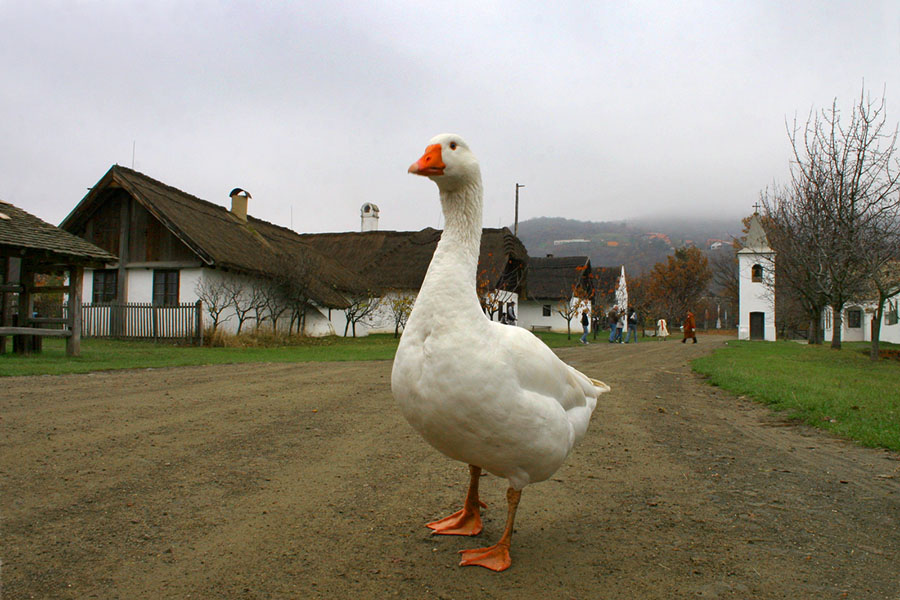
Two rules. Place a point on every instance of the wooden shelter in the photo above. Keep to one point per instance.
(29, 247)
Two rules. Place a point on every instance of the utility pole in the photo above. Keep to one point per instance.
(516, 223)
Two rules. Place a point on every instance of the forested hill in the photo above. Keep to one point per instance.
(638, 244)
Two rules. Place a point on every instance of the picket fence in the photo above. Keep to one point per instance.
(143, 321)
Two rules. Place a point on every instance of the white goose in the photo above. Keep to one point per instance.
(490, 395)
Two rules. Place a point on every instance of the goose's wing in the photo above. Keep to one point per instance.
(538, 370)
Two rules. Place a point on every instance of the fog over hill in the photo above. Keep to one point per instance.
(636, 243)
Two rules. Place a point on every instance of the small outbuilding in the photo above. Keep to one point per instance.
(30, 249)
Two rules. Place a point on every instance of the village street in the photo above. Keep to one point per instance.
(303, 481)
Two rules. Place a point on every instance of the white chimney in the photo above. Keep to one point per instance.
(369, 216)
(239, 203)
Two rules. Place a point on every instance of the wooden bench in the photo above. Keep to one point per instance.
(536, 328)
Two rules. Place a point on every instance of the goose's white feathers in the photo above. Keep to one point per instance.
(483, 393)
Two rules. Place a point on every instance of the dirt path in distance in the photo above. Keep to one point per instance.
(303, 481)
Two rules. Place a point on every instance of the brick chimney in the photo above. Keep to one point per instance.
(239, 203)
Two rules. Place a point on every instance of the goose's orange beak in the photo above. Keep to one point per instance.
(431, 162)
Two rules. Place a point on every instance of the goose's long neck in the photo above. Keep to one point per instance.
(451, 275)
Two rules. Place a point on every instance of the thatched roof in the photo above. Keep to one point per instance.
(552, 277)
(220, 239)
(605, 281)
(24, 235)
(400, 259)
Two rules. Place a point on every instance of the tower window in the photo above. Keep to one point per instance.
(756, 273)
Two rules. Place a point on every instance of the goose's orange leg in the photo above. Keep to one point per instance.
(496, 557)
(468, 520)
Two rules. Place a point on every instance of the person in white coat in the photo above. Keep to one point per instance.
(661, 330)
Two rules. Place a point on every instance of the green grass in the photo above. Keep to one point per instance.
(102, 355)
(841, 391)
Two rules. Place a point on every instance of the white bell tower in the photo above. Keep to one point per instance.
(369, 216)
(756, 272)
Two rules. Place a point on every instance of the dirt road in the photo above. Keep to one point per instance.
(303, 481)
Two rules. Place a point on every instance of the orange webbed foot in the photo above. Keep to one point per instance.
(463, 522)
(495, 558)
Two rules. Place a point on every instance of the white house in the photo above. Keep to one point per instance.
(171, 245)
(175, 249)
(756, 272)
(555, 285)
(858, 319)
(394, 263)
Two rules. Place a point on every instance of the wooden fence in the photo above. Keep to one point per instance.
(143, 321)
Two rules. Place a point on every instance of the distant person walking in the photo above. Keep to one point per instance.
(620, 327)
(612, 319)
(662, 330)
(585, 324)
(690, 327)
(632, 325)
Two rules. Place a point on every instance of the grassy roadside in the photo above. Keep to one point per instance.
(841, 391)
(103, 355)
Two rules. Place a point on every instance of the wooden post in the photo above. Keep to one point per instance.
(26, 307)
(4, 303)
(199, 318)
(73, 342)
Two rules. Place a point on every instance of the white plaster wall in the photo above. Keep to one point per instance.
(889, 333)
(317, 323)
(188, 280)
(531, 313)
(382, 319)
(139, 287)
(755, 296)
(87, 286)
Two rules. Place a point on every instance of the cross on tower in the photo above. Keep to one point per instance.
(756, 208)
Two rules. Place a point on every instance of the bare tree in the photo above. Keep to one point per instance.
(724, 275)
(294, 275)
(882, 263)
(241, 299)
(844, 179)
(214, 298)
(574, 300)
(361, 307)
(795, 228)
(272, 303)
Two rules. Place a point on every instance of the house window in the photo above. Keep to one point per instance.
(757, 273)
(165, 287)
(546, 310)
(104, 286)
(854, 318)
(891, 313)
(826, 314)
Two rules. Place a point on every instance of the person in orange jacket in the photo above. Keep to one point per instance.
(690, 327)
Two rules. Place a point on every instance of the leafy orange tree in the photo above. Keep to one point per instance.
(496, 289)
(676, 286)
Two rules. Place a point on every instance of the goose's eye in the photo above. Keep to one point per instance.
(453, 145)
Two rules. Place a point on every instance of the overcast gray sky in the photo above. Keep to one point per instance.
(604, 110)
